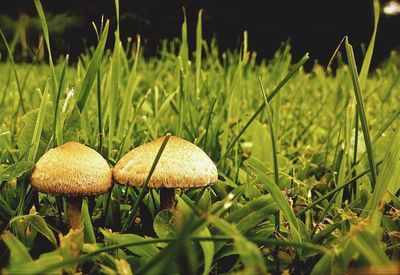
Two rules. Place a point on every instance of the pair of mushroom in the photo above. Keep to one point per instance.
(74, 170)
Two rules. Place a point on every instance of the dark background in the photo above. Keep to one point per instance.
(312, 26)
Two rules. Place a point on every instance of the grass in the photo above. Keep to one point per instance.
(308, 161)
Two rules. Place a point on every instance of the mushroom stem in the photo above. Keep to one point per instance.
(74, 212)
(167, 200)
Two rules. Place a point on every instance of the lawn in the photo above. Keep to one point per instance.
(307, 160)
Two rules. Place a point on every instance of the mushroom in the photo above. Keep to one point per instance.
(181, 165)
(72, 170)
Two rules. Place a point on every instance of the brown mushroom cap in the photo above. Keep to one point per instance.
(182, 165)
(72, 169)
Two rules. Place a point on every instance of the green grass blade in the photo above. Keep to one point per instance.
(99, 112)
(388, 179)
(368, 245)
(184, 50)
(272, 132)
(181, 103)
(209, 116)
(16, 170)
(91, 72)
(163, 108)
(129, 91)
(273, 144)
(361, 110)
(39, 125)
(88, 231)
(129, 220)
(114, 85)
(54, 82)
(208, 251)
(368, 55)
(19, 255)
(57, 122)
(113, 95)
(386, 125)
(199, 43)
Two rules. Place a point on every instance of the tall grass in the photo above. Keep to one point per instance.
(308, 173)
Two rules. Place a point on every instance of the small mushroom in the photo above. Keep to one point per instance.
(181, 165)
(72, 170)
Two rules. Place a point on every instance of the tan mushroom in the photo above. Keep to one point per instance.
(72, 170)
(182, 165)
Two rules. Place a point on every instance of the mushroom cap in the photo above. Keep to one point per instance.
(72, 169)
(181, 165)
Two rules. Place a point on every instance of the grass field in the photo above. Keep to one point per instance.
(308, 161)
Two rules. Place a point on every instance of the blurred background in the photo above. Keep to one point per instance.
(309, 26)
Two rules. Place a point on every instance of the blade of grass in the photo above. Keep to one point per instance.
(129, 91)
(199, 43)
(274, 149)
(208, 250)
(114, 85)
(388, 175)
(272, 132)
(57, 122)
(385, 126)
(129, 220)
(112, 98)
(88, 232)
(99, 110)
(368, 55)
(184, 49)
(209, 116)
(368, 245)
(361, 111)
(181, 103)
(39, 125)
(19, 255)
(45, 29)
(91, 72)
(16, 170)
